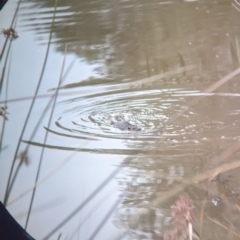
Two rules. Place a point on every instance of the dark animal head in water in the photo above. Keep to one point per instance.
(124, 126)
(134, 128)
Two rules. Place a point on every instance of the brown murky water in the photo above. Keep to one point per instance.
(150, 63)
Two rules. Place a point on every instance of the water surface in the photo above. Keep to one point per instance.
(148, 63)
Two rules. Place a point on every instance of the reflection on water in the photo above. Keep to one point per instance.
(139, 38)
(151, 62)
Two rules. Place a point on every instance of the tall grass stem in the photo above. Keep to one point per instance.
(8, 190)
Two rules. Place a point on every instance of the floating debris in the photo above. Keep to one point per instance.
(216, 201)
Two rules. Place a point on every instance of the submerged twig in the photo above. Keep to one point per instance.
(230, 223)
(222, 226)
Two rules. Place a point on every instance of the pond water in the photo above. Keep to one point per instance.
(169, 67)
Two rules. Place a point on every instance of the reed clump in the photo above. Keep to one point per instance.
(182, 215)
